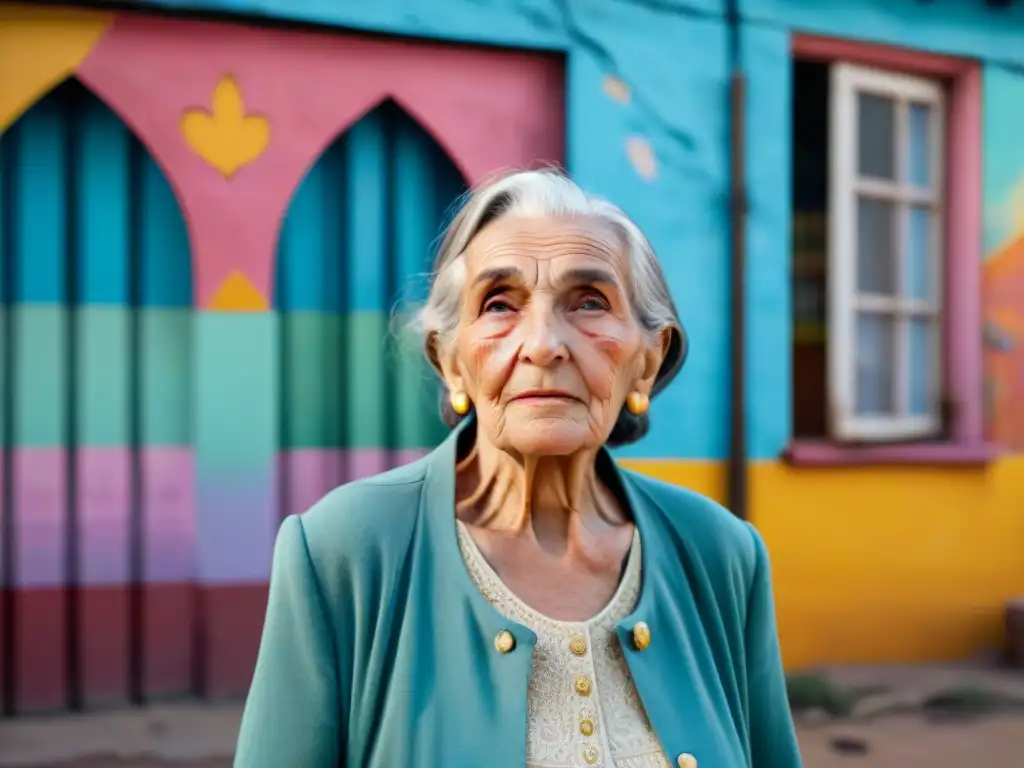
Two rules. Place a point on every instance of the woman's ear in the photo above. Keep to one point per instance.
(431, 351)
(445, 361)
(654, 355)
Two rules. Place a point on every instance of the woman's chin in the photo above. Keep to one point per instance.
(549, 439)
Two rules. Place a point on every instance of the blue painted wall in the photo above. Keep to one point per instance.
(673, 55)
(354, 253)
(85, 199)
(1004, 158)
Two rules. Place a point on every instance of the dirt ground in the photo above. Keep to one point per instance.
(908, 741)
(202, 736)
(902, 742)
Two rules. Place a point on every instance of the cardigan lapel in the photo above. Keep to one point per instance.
(468, 625)
(675, 675)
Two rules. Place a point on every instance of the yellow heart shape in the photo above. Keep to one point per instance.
(226, 137)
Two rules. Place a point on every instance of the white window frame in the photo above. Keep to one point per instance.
(845, 185)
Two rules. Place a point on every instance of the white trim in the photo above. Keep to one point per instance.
(877, 302)
(846, 187)
(893, 428)
(881, 189)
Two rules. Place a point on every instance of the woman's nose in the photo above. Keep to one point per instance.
(543, 340)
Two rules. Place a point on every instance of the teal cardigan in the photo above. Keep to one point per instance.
(378, 650)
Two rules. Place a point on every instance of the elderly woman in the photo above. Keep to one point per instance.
(515, 599)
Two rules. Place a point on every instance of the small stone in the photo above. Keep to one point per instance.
(849, 745)
(813, 718)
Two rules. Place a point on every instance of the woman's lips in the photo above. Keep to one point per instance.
(545, 397)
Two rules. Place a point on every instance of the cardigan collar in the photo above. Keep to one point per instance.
(439, 516)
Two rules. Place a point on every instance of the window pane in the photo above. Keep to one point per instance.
(875, 137)
(875, 354)
(921, 347)
(918, 257)
(919, 172)
(875, 236)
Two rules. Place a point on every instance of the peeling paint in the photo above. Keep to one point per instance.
(641, 155)
(615, 89)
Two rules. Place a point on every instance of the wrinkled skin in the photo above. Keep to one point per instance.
(548, 349)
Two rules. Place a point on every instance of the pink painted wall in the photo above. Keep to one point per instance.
(103, 507)
(313, 472)
(486, 108)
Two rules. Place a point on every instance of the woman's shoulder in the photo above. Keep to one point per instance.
(371, 519)
(701, 525)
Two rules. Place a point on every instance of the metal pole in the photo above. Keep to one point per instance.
(737, 467)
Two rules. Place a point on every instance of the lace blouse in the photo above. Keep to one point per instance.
(583, 709)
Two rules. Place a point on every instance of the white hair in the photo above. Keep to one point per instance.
(541, 193)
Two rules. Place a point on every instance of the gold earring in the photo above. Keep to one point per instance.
(460, 402)
(637, 403)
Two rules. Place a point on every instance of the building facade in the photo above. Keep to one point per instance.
(207, 225)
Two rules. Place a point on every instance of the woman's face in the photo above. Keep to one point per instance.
(548, 345)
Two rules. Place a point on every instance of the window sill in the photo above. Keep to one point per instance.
(822, 454)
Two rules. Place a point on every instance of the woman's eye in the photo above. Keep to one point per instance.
(497, 305)
(592, 305)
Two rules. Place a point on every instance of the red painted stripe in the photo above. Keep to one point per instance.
(169, 633)
(105, 644)
(233, 622)
(104, 649)
(5, 596)
(40, 635)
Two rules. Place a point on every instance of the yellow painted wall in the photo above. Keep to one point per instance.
(40, 47)
(882, 564)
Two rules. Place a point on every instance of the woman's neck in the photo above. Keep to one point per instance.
(549, 497)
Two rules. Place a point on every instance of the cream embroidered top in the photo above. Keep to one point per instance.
(583, 709)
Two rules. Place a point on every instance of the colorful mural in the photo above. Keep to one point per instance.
(206, 228)
(96, 366)
(201, 266)
(1004, 257)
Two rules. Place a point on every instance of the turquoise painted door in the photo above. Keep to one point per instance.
(354, 258)
(96, 510)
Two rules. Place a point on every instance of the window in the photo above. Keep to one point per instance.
(885, 255)
(885, 286)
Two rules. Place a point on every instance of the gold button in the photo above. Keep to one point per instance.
(504, 642)
(686, 760)
(641, 635)
(578, 645)
(587, 726)
(583, 685)
(590, 754)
